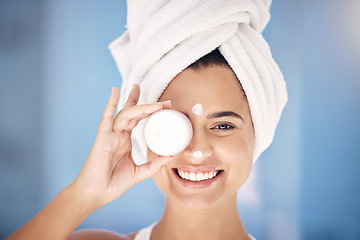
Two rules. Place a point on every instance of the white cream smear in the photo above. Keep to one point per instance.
(197, 154)
(197, 109)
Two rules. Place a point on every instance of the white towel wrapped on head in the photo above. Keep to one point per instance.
(164, 37)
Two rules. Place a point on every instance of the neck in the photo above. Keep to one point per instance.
(222, 222)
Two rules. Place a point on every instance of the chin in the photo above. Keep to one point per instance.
(196, 202)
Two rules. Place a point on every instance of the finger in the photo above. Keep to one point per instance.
(107, 118)
(133, 97)
(149, 169)
(166, 104)
(127, 119)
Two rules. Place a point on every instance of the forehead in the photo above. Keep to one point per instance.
(212, 86)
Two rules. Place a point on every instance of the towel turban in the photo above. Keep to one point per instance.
(164, 37)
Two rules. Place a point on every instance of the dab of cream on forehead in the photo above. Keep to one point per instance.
(197, 109)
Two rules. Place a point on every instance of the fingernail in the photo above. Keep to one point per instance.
(167, 101)
(134, 86)
(112, 90)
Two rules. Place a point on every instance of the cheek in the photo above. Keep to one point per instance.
(237, 155)
(235, 147)
(161, 179)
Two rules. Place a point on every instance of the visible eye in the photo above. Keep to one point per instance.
(224, 126)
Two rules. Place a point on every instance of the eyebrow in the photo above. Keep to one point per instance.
(224, 114)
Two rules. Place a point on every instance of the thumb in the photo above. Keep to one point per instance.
(149, 169)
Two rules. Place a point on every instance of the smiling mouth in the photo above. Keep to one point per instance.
(196, 176)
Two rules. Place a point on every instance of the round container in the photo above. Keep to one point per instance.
(168, 132)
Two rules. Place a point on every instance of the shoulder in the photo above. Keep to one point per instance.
(94, 234)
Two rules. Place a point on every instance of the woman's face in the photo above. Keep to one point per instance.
(222, 143)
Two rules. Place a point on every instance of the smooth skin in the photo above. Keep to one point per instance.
(227, 143)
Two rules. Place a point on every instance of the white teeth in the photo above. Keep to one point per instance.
(192, 176)
(199, 176)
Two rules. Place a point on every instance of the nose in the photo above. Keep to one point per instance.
(199, 147)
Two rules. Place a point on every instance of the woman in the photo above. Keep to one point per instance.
(236, 124)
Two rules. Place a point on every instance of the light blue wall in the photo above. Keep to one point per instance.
(20, 112)
(330, 193)
(56, 74)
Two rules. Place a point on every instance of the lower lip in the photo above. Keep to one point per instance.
(197, 184)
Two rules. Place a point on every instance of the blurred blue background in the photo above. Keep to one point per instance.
(56, 74)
